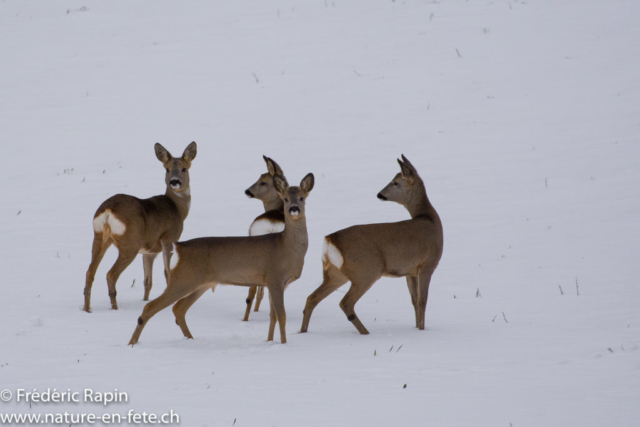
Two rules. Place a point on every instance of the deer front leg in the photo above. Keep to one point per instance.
(356, 291)
(424, 279)
(250, 296)
(147, 264)
(97, 253)
(125, 258)
(276, 297)
(272, 321)
(412, 284)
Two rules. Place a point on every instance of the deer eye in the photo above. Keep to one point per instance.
(167, 170)
(184, 169)
(395, 183)
(302, 199)
(263, 183)
(286, 200)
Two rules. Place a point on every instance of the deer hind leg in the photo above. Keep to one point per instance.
(125, 258)
(276, 298)
(250, 297)
(333, 279)
(147, 264)
(259, 297)
(424, 280)
(182, 306)
(412, 284)
(356, 291)
(97, 253)
(168, 297)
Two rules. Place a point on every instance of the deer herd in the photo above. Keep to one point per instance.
(272, 256)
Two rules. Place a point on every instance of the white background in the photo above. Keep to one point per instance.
(521, 117)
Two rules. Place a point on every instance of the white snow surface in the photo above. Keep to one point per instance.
(521, 117)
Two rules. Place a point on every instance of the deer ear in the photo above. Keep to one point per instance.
(161, 153)
(307, 183)
(408, 163)
(190, 152)
(280, 184)
(407, 172)
(273, 167)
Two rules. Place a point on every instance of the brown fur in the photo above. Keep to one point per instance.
(271, 260)
(148, 223)
(409, 248)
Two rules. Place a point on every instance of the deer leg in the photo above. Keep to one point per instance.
(348, 303)
(168, 297)
(273, 319)
(97, 253)
(332, 281)
(125, 258)
(423, 293)
(412, 284)
(276, 296)
(147, 264)
(167, 248)
(182, 306)
(259, 297)
(252, 294)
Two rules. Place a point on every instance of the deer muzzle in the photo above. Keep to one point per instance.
(175, 183)
(249, 194)
(294, 211)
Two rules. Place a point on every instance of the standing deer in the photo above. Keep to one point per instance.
(271, 221)
(139, 226)
(272, 260)
(364, 253)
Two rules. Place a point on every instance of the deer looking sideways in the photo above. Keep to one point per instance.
(141, 225)
(271, 221)
(364, 253)
(272, 260)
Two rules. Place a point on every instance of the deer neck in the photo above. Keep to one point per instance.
(275, 204)
(181, 199)
(295, 236)
(419, 204)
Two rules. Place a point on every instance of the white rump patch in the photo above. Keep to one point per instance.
(331, 254)
(173, 261)
(117, 226)
(265, 226)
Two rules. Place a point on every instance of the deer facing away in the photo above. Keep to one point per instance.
(271, 260)
(363, 253)
(271, 221)
(139, 226)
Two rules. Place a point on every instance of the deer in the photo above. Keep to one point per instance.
(271, 221)
(272, 260)
(140, 226)
(362, 254)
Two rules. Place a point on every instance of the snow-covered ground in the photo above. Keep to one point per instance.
(522, 118)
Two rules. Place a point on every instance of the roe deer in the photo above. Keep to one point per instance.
(271, 221)
(364, 253)
(272, 260)
(140, 225)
